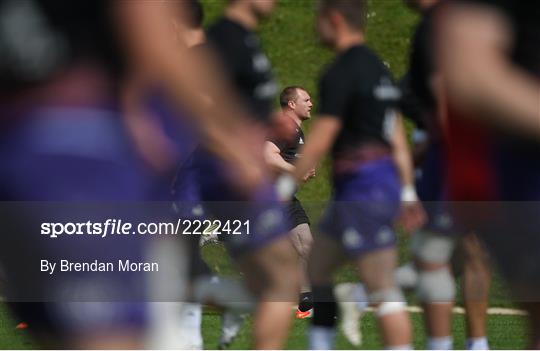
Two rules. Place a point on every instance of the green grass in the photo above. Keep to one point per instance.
(11, 338)
(504, 332)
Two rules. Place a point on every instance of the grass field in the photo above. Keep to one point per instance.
(290, 41)
(505, 332)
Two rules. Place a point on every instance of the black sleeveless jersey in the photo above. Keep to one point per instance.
(289, 149)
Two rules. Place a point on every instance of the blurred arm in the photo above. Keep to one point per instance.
(321, 137)
(401, 154)
(412, 215)
(478, 74)
(144, 28)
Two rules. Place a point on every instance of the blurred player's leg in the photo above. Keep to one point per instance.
(326, 256)
(476, 284)
(352, 300)
(435, 287)
(272, 272)
(377, 272)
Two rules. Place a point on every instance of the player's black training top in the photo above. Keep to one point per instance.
(39, 37)
(422, 61)
(358, 89)
(418, 101)
(246, 65)
(289, 149)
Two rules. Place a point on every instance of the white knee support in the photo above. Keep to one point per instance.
(389, 300)
(432, 248)
(436, 286)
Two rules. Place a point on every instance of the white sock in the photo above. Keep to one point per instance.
(191, 315)
(400, 347)
(477, 343)
(360, 296)
(444, 343)
(321, 338)
(190, 326)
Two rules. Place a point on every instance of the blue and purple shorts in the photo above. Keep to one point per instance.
(266, 215)
(365, 204)
(431, 188)
(51, 158)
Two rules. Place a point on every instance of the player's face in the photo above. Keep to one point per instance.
(325, 29)
(303, 105)
(263, 8)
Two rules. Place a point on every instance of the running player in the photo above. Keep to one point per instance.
(280, 155)
(358, 123)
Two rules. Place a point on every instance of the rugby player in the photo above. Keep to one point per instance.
(434, 245)
(358, 123)
(63, 139)
(280, 155)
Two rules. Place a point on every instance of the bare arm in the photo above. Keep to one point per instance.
(401, 154)
(412, 215)
(272, 156)
(188, 76)
(478, 74)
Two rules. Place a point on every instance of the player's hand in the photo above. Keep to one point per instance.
(412, 216)
(309, 175)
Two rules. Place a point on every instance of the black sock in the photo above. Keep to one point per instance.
(305, 301)
(324, 306)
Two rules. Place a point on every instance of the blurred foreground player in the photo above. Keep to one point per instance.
(280, 156)
(63, 139)
(266, 256)
(434, 244)
(490, 60)
(358, 123)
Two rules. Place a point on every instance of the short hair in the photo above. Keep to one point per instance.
(289, 94)
(195, 14)
(354, 11)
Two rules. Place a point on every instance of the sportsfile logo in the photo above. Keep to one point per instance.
(120, 227)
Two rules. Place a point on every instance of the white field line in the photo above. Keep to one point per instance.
(461, 310)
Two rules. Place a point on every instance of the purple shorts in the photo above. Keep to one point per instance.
(266, 216)
(430, 186)
(364, 207)
(73, 157)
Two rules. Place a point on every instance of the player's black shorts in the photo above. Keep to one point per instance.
(296, 213)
